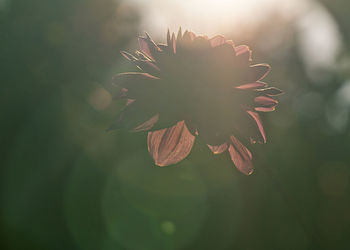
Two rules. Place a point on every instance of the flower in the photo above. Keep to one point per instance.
(192, 87)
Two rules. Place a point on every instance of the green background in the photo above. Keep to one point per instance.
(68, 184)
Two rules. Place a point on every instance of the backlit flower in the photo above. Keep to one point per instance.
(195, 86)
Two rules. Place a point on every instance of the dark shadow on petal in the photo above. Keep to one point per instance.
(272, 91)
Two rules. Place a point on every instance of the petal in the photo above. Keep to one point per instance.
(253, 85)
(241, 156)
(192, 35)
(218, 149)
(163, 47)
(170, 145)
(148, 47)
(243, 53)
(217, 40)
(258, 72)
(241, 49)
(188, 37)
(248, 127)
(179, 34)
(265, 101)
(147, 125)
(132, 76)
(147, 66)
(173, 43)
(141, 56)
(272, 91)
(129, 101)
(121, 94)
(258, 121)
(128, 56)
(265, 109)
(168, 38)
(231, 43)
(145, 47)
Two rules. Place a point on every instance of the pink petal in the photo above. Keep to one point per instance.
(147, 125)
(132, 78)
(141, 55)
(231, 43)
(188, 36)
(259, 71)
(148, 47)
(253, 85)
(265, 101)
(128, 56)
(163, 47)
(129, 101)
(170, 145)
(244, 53)
(241, 49)
(147, 66)
(218, 149)
(258, 121)
(265, 109)
(192, 35)
(266, 104)
(217, 40)
(144, 46)
(241, 156)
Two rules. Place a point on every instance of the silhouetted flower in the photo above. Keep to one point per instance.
(195, 86)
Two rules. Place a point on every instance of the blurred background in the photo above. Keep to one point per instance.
(68, 184)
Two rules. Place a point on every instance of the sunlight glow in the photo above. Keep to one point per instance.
(211, 16)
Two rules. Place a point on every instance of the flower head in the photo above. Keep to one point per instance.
(195, 86)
